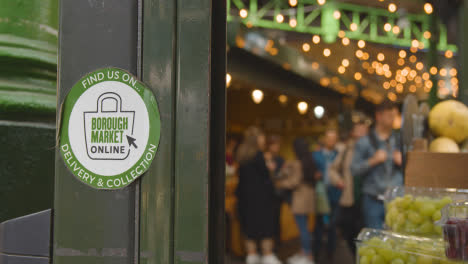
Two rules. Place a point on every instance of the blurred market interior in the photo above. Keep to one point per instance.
(296, 68)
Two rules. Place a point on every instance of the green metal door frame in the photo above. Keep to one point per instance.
(175, 213)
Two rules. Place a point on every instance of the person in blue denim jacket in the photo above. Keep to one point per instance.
(377, 161)
(323, 159)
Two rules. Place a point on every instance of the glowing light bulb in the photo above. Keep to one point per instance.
(399, 88)
(425, 76)
(361, 44)
(305, 47)
(433, 70)
(293, 3)
(316, 39)
(321, 2)
(337, 14)
(302, 107)
(283, 99)
(353, 26)
(448, 54)
(319, 111)
(326, 52)
(341, 69)
(228, 79)
(419, 65)
(358, 76)
(293, 22)
(401, 61)
(428, 8)
(345, 41)
(427, 34)
(402, 54)
(453, 72)
(257, 96)
(380, 56)
(443, 72)
(387, 27)
(386, 85)
(386, 67)
(415, 43)
(243, 13)
(279, 18)
(396, 30)
(345, 62)
(392, 7)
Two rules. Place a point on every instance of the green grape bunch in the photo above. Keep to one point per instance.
(415, 215)
(401, 249)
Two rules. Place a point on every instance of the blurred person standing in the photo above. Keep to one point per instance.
(377, 161)
(349, 213)
(273, 154)
(256, 196)
(299, 176)
(323, 159)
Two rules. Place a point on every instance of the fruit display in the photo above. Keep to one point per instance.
(385, 247)
(444, 144)
(455, 226)
(414, 210)
(449, 119)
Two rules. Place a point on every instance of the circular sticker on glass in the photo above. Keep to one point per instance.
(110, 129)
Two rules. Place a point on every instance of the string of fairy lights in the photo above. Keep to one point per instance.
(396, 74)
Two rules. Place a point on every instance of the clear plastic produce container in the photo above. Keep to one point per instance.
(414, 210)
(455, 226)
(387, 247)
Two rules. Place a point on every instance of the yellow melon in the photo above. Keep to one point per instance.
(449, 119)
(444, 144)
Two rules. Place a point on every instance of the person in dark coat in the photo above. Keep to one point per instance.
(256, 197)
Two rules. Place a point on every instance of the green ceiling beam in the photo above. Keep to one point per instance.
(312, 18)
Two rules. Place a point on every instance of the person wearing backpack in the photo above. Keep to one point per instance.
(349, 213)
(377, 162)
(300, 176)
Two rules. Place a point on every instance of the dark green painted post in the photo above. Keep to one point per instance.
(28, 63)
(176, 215)
(94, 226)
(182, 206)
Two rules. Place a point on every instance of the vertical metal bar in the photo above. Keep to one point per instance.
(442, 37)
(373, 27)
(193, 131)
(300, 16)
(157, 185)
(216, 221)
(91, 226)
(136, 256)
(253, 8)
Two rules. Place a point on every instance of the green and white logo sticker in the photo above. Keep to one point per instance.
(110, 129)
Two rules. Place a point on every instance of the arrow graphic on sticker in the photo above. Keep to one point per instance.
(131, 141)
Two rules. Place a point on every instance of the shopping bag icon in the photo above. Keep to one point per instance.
(108, 130)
